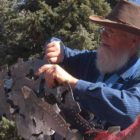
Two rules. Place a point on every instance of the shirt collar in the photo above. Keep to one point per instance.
(131, 69)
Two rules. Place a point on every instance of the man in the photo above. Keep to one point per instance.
(105, 82)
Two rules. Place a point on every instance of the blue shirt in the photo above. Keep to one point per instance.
(115, 97)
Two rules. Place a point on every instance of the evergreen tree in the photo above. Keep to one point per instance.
(8, 130)
(112, 2)
(69, 20)
(24, 30)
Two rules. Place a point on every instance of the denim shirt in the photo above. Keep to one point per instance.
(115, 97)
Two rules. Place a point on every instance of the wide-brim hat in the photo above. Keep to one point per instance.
(125, 16)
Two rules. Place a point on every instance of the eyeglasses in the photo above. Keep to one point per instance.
(109, 31)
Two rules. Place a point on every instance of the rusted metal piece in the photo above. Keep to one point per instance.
(44, 114)
(34, 116)
(70, 107)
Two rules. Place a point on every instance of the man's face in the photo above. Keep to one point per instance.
(116, 39)
(116, 48)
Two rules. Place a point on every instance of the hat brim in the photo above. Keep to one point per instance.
(114, 24)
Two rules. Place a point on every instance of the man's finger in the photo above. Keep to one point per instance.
(50, 45)
(43, 68)
(51, 49)
(49, 77)
(53, 60)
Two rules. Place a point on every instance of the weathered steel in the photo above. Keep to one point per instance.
(34, 116)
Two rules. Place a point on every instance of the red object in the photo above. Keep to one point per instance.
(130, 133)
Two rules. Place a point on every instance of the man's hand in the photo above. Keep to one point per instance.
(53, 52)
(55, 74)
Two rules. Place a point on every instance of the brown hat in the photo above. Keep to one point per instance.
(124, 16)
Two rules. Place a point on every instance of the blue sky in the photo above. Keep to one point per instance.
(136, 1)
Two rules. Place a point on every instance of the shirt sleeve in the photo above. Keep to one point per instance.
(119, 107)
(77, 62)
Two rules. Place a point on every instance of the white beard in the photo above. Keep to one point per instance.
(111, 60)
